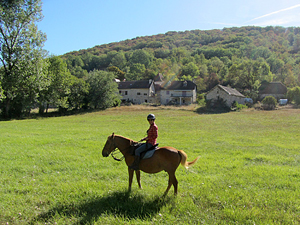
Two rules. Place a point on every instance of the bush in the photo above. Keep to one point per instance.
(237, 107)
(269, 103)
(218, 105)
(293, 95)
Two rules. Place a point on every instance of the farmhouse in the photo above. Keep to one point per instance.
(275, 89)
(137, 92)
(228, 94)
(178, 93)
(158, 91)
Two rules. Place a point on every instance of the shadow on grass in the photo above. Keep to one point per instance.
(118, 204)
(36, 115)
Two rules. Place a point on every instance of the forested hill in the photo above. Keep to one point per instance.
(240, 57)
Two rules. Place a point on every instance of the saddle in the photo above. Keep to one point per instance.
(145, 154)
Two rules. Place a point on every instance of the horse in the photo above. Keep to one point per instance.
(164, 158)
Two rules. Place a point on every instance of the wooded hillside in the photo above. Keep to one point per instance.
(240, 57)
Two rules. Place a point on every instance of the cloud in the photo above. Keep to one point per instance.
(279, 11)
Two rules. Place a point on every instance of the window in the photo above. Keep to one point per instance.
(126, 93)
(168, 92)
(145, 93)
(138, 93)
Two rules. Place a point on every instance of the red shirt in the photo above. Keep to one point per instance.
(152, 134)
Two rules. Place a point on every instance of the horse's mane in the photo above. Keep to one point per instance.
(122, 137)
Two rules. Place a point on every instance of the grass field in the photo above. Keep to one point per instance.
(52, 170)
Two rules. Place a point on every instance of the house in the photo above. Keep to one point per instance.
(158, 91)
(275, 89)
(228, 94)
(177, 92)
(137, 92)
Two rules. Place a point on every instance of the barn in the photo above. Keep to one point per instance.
(276, 89)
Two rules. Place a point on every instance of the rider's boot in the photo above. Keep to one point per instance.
(135, 164)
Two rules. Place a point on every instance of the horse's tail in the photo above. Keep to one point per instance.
(184, 161)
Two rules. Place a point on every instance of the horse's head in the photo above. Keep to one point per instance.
(109, 146)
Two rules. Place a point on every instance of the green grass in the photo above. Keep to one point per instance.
(52, 170)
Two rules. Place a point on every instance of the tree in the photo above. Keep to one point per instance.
(103, 91)
(58, 90)
(1, 93)
(269, 103)
(79, 89)
(251, 72)
(119, 73)
(190, 69)
(137, 72)
(24, 73)
(211, 81)
(119, 60)
(142, 57)
(293, 94)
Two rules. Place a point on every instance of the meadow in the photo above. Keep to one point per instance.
(52, 170)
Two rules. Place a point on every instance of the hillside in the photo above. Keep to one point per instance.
(240, 57)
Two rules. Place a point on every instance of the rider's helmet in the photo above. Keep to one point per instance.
(151, 117)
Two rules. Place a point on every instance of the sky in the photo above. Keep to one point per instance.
(72, 25)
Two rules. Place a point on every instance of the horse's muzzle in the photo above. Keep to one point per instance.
(105, 154)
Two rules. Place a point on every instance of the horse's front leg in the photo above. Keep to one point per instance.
(130, 173)
(138, 178)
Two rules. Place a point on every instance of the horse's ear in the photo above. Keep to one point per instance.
(113, 134)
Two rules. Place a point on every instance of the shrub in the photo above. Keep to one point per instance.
(236, 106)
(218, 105)
(269, 103)
(293, 95)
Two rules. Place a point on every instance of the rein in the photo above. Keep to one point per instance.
(114, 157)
(115, 149)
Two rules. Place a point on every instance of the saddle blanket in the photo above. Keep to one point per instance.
(148, 154)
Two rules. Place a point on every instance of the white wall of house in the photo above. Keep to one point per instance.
(138, 96)
(182, 97)
(163, 96)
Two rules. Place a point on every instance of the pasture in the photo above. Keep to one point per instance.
(52, 170)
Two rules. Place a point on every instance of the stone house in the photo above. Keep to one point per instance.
(228, 94)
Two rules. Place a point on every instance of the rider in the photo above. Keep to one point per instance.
(150, 141)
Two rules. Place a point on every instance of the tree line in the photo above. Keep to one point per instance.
(242, 57)
(30, 78)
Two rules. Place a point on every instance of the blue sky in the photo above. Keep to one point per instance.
(71, 25)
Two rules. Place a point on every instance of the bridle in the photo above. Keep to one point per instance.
(114, 157)
(115, 150)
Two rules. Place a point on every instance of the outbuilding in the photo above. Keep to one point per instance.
(228, 94)
(276, 89)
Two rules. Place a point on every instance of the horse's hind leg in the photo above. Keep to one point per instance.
(172, 180)
(169, 186)
(138, 178)
(175, 184)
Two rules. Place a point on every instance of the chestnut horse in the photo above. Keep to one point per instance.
(164, 158)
